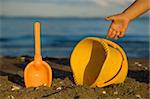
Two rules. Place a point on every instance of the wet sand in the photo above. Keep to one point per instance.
(136, 85)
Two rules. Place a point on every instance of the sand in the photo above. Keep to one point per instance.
(136, 85)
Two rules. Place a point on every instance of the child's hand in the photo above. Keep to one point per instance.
(118, 26)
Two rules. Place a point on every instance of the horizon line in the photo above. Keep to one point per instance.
(59, 17)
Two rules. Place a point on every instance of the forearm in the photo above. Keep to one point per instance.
(136, 9)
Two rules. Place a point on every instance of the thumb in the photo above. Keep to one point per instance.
(110, 18)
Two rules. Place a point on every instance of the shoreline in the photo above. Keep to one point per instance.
(135, 86)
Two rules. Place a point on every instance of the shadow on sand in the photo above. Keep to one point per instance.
(141, 76)
(13, 78)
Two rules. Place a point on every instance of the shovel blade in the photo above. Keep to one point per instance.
(37, 75)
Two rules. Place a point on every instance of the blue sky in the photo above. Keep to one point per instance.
(62, 8)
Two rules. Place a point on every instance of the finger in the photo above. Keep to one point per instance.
(109, 18)
(117, 35)
(113, 33)
(122, 33)
(109, 32)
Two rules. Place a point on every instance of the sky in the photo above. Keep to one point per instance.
(62, 8)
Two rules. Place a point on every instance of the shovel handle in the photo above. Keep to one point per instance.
(37, 56)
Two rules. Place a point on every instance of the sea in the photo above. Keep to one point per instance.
(60, 35)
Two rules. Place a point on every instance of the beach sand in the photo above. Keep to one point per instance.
(136, 85)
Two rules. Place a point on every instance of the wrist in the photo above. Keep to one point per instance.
(126, 17)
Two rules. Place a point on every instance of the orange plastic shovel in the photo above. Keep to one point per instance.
(38, 72)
